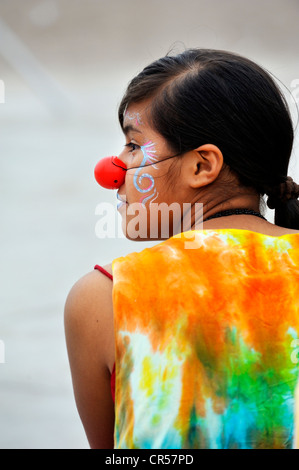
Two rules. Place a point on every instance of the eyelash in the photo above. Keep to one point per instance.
(132, 146)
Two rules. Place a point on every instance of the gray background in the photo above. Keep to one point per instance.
(65, 65)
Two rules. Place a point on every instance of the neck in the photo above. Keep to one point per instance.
(219, 214)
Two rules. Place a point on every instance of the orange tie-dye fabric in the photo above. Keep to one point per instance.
(206, 342)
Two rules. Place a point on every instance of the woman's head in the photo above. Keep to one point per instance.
(204, 96)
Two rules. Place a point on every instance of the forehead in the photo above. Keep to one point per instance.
(136, 123)
(136, 113)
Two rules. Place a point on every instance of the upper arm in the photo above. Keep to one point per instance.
(90, 344)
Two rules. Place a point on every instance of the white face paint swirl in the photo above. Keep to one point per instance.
(148, 151)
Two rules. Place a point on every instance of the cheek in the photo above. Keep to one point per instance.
(150, 222)
(135, 221)
(145, 186)
(144, 176)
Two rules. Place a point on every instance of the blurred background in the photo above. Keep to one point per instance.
(64, 65)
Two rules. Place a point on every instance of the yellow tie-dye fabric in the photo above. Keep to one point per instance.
(206, 342)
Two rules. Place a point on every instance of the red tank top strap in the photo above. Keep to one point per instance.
(103, 270)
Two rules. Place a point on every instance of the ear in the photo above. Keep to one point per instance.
(205, 164)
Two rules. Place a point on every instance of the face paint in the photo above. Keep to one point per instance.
(148, 156)
(133, 117)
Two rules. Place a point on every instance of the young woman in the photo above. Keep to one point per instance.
(197, 340)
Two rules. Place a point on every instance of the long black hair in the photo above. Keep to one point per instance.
(211, 96)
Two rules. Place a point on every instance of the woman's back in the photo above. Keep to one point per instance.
(206, 342)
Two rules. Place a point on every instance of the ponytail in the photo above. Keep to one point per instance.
(284, 199)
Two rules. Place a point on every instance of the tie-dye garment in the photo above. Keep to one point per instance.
(207, 341)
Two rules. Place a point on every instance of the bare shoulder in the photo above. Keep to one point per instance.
(292, 231)
(279, 231)
(88, 290)
(89, 312)
(90, 345)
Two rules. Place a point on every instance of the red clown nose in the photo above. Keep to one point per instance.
(110, 172)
